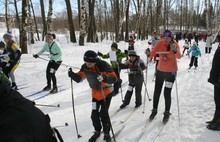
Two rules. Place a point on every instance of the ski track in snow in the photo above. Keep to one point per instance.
(195, 97)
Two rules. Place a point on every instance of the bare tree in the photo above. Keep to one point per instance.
(17, 15)
(30, 23)
(43, 19)
(70, 22)
(82, 22)
(106, 20)
(127, 20)
(35, 21)
(49, 16)
(157, 15)
(23, 34)
(92, 37)
(6, 16)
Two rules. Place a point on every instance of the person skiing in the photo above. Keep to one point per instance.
(189, 37)
(20, 120)
(54, 49)
(195, 53)
(214, 78)
(209, 40)
(13, 58)
(186, 47)
(116, 56)
(2, 48)
(100, 76)
(135, 77)
(166, 72)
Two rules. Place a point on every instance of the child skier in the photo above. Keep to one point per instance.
(100, 76)
(54, 49)
(136, 78)
(166, 72)
(186, 47)
(195, 53)
(116, 57)
(14, 54)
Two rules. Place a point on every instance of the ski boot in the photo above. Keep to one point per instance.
(166, 117)
(94, 137)
(123, 105)
(153, 114)
(47, 88)
(14, 86)
(107, 138)
(54, 90)
(137, 105)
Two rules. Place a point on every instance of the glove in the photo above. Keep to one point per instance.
(35, 56)
(173, 47)
(149, 43)
(101, 78)
(126, 51)
(147, 52)
(99, 54)
(70, 72)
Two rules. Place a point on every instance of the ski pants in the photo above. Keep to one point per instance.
(185, 50)
(169, 78)
(117, 84)
(9, 70)
(208, 50)
(194, 61)
(217, 102)
(52, 67)
(100, 117)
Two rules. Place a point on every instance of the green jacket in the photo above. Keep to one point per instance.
(54, 50)
(120, 55)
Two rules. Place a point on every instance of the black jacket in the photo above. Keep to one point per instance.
(214, 76)
(21, 121)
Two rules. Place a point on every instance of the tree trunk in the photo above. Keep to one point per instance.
(207, 15)
(49, 16)
(6, 16)
(91, 29)
(106, 20)
(70, 21)
(43, 19)
(35, 21)
(127, 21)
(181, 15)
(157, 15)
(197, 18)
(23, 34)
(30, 28)
(82, 22)
(79, 10)
(165, 15)
(100, 18)
(143, 26)
(17, 16)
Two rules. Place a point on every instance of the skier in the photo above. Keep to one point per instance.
(136, 78)
(214, 79)
(14, 55)
(2, 48)
(131, 43)
(54, 49)
(20, 120)
(208, 46)
(186, 47)
(189, 37)
(195, 53)
(166, 71)
(100, 76)
(116, 57)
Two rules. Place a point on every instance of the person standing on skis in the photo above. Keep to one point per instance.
(116, 57)
(166, 71)
(100, 76)
(214, 78)
(135, 77)
(14, 56)
(195, 53)
(54, 49)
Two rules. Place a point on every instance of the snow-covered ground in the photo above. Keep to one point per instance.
(195, 97)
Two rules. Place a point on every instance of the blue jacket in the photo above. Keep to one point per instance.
(195, 51)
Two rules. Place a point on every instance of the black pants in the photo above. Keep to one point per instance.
(194, 61)
(169, 78)
(117, 84)
(208, 49)
(52, 67)
(138, 97)
(100, 114)
(217, 102)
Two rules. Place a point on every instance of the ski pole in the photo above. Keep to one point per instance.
(62, 64)
(118, 84)
(74, 114)
(65, 125)
(47, 105)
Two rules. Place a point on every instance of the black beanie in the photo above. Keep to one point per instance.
(114, 45)
(90, 56)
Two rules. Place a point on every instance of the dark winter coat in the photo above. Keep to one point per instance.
(21, 121)
(101, 68)
(136, 70)
(214, 76)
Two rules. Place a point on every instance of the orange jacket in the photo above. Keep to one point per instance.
(167, 62)
(91, 74)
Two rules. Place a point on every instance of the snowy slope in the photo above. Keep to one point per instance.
(195, 97)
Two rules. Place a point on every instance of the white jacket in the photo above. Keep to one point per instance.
(209, 40)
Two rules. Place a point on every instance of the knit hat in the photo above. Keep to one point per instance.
(114, 45)
(132, 53)
(5, 84)
(7, 36)
(167, 33)
(90, 56)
